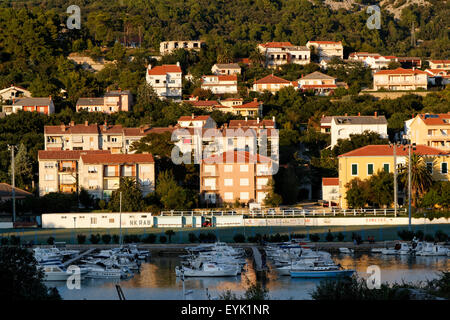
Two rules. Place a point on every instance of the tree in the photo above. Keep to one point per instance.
(23, 168)
(20, 278)
(131, 196)
(356, 195)
(272, 199)
(85, 198)
(169, 234)
(159, 144)
(171, 195)
(421, 178)
(381, 191)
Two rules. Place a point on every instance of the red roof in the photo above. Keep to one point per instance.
(386, 150)
(69, 154)
(253, 104)
(401, 71)
(330, 181)
(271, 79)
(237, 157)
(312, 86)
(202, 103)
(195, 118)
(326, 42)
(439, 61)
(69, 129)
(277, 44)
(165, 68)
(117, 158)
(223, 77)
(251, 123)
(435, 119)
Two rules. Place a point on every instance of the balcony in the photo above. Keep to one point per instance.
(67, 170)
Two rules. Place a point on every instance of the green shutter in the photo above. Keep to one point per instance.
(370, 169)
(386, 167)
(354, 169)
(444, 167)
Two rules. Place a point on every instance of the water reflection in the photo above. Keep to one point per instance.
(157, 279)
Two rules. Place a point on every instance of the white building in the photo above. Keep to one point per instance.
(41, 105)
(13, 92)
(344, 126)
(219, 84)
(167, 47)
(400, 79)
(327, 49)
(330, 190)
(166, 80)
(280, 53)
(226, 69)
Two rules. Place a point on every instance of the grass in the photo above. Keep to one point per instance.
(380, 233)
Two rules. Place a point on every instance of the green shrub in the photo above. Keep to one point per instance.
(131, 238)
(94, 238)
(406, 235)
(239, 238)
(14, 240)
(81, 238)
(340, 236)
(115, 238)
(4, 241)
(314, 237)
(192, 237)
(440, 236)
(428, 238)
(51, 241)
(151, 238)
(329, 237)
(106, 238)
(356, 237)
(162, 239)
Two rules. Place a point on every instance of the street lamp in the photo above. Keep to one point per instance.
(413, 147)
(13, 176)
(394, 146)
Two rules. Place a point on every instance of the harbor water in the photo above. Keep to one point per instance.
(157, 281)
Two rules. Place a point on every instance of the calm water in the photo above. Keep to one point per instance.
(157, 279)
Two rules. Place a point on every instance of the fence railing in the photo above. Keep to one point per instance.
(289, 213)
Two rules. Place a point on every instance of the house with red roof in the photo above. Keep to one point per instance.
(41, 105)
(318, 82)
(273, 84)
(431, 130)
(439, 64)
(400, 79)
(330, 190)
(364, 162)
(438, 77)
(166, 80)
(327, 49)
(280, 53)
(220, 84)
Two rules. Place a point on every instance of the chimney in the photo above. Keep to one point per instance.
(359, 114)
(14, 100)
(72, 123)
(178, 63)
(346, 115)
(149, 67)
(63, 127)
(192, 116)
(141, 129)
(376, 114)
(255, 99)
(245, 119)
(86, 123)
(273, 119)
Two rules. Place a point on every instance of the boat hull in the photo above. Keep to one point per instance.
(322, 274)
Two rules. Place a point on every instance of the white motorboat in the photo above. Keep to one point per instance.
(58, 273)
(431, 249)
(401, 248)
(99, 272)
(43, 255)
(304, 263)
(346, 250)
(207, 270)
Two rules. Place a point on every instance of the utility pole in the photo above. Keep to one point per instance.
(120, 219)
(395, 179)
(409, 185)
(13, 178)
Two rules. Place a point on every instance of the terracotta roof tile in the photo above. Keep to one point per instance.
(165, 68)
(68, 154)
(330, 181)
(272, 79)
(400, 71)
(386, 150)
(117, 158)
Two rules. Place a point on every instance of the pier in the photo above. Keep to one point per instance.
(69, 262)
(259, 262)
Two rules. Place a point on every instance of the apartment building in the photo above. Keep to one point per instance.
(273, 84)
(400, 79)
(366, 161)
(235, 176)
(167, 47)
(431, 130)
(439, 64)
(344, 126)
(98, 172)
(231, 105)
(41, 105)
(166, 80)
(327, 49)
(112, 101)
(438, 77)
(374, 61)
(320, 83)
(220, 84)
(58, 170)
(226, 69)
(280, 53)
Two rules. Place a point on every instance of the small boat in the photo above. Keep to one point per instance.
(58, 273)
(346, 250)
(207, 270)
(430, 249)
(321, 272)
(99, 272)
(376, 250)
(401, 248)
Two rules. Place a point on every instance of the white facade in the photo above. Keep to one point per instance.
(167, 47)
(400, 79)
(219, 84)
(327, 49)
(166, 80)
(280, 53)
(343, 127)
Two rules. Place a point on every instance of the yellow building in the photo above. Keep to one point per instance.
(362, 163)
(431, 130)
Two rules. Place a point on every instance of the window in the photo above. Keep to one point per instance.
(93, 184)
(386, 167)
(93, 220)
(244, 182)
(244, 168)
(444, 167)
(228, 195)
(114, 139)
(228, 168)
(111, 220)
(92, 169)
(48, 165)
(228, 182)
(244, 196)
(354, 169)
(370, 169)
(49, 177)
(430, 167)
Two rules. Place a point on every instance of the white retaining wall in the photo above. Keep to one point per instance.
(6, 225)
(96, 220)
(350, 221)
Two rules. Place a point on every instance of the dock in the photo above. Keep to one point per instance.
(259, 262)
(69, 262)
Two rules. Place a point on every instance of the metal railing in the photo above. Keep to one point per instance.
(290, 213)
